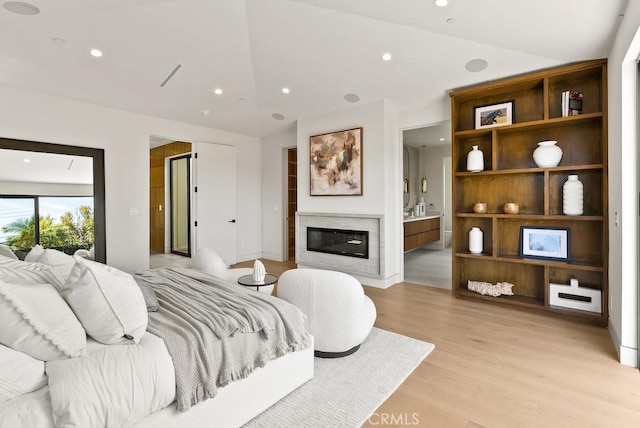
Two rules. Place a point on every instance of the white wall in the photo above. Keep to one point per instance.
(125, 137)
(382, 180)
(623, 155)
(45, 189)
(274, 213)
(432, 164)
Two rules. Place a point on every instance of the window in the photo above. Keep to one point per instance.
(65, 223)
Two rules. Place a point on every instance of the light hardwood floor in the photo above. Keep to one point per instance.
(499, 367)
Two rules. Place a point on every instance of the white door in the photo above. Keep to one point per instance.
(215, 199)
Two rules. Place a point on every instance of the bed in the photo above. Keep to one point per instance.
(212, 354)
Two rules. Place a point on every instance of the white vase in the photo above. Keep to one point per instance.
(475, 160)
(475, 240)
(259, 271)
(547, 154)
(572, 196)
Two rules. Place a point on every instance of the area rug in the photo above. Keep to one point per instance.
(344, 392)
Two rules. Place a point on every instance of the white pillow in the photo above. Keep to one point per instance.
(37, 321)
(62, 263)
(36, 273)
(108, 302)
(208, 261)
(6, 251)
(32, 256)
(19, 373)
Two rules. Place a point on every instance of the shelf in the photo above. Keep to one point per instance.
(530, 126)
(537, 262)
(516, 300)
(532, 216)
(561, 168)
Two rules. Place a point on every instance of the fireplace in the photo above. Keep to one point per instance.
(368, 263)
(350, 243)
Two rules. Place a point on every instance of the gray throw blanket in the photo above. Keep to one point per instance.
(217, 331)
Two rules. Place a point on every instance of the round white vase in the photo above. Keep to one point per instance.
(475, 240)
(475, 160)
(547, 154)
(572, 196)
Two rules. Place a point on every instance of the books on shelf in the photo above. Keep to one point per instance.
(571, 103)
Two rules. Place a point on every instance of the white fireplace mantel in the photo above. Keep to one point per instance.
(373, 267)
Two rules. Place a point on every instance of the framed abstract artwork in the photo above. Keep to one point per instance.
(336, 163)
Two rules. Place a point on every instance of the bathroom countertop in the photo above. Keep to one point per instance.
(424, 217)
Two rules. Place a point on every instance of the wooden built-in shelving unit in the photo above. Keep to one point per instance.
(510, 174)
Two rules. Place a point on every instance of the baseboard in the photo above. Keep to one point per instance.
(627, 356)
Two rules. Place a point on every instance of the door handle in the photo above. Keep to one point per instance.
(232, 221)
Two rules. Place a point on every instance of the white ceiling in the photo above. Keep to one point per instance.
(429, 136)
(320, 49)
(44, 167)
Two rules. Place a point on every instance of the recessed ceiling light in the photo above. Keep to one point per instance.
(441, 139)
(386, 56)
(476, 65)
(441, 3)
(277, 116)
(285, 90)
(451, 21)
(205, 112)
(218, 91)
(242, 99)
(26, 160)
(21, 8)
(96, 52)
(351, 98)
(58, 41)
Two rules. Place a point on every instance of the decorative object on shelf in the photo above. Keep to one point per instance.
(511, 208)
(475, 160)
(336, 163)
(550, 243)
(491, 115)
(423, 185)
(547, 154)
(571, 103)
(488, 289)
(575, 297)
(572, 196)
(480, 207)
(475, 240)
(259, 272)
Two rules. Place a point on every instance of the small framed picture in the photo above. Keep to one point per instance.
(492, 115)
(551, 243)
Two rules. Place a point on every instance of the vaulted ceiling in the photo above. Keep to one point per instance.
(320, 49)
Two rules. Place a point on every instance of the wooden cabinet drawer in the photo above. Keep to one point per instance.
(419, 226)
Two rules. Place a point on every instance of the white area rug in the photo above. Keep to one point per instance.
(346, 391)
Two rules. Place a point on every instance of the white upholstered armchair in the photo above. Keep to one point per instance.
(340, 315)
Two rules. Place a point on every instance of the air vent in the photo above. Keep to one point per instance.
(170, 76)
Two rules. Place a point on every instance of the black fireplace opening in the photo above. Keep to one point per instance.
(351, 243)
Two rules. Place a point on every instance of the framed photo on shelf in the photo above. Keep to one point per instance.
(551, 243)
(491, 115)
(335, 163)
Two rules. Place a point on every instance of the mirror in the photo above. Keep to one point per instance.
(406, 174)
(31, 201)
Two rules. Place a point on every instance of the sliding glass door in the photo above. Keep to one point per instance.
(180, 191)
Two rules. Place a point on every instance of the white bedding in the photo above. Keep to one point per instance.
(114, 386)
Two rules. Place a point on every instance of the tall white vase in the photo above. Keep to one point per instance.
(475, 160)
(547, 154)
(572, 196)
(475, 240)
